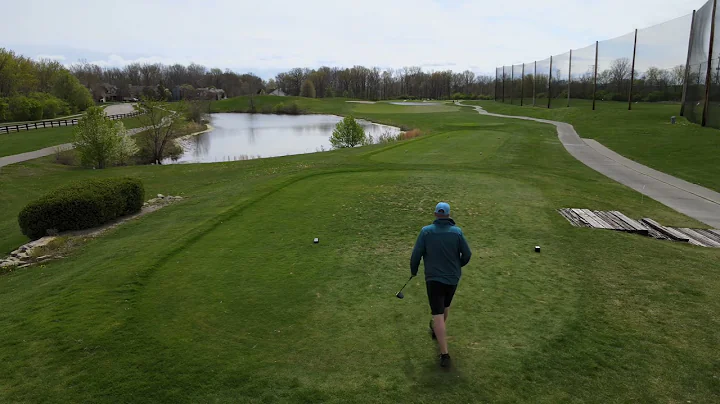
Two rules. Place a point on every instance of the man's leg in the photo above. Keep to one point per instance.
(439, 328)
(447, 312)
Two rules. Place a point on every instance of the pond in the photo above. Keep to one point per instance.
(245, 136)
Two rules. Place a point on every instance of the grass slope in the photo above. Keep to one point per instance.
(644, 134)
(224, 298)
(35, 139)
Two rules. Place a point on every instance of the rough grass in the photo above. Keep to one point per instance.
(224, 297)
(36, 139)
(644, 134)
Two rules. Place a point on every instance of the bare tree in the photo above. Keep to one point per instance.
(162, 127)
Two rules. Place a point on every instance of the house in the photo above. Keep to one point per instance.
(276, 91)
(215, 94)
(106, 93)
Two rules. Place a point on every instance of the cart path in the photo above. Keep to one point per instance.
(693, 200)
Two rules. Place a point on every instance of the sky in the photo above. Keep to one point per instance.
(269, 36)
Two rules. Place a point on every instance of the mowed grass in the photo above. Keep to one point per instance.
(36, 139)
(645, 134)
(224, 298)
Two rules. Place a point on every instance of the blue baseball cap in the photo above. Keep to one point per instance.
(442, 208)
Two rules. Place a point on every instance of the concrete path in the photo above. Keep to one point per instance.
(19, 158)
(119, 109)
(690, 199)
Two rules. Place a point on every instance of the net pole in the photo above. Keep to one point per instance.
(496, 84)
(632, 73)
(522, 85)
(687, 67)
(503, 85)
(708, 76)
(534, 82)
(595, 75)
(512, 82)
(569, 76)
(549, 83)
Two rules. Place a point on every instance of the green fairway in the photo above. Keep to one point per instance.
(35, 139)
(644, 134)
(223, 297)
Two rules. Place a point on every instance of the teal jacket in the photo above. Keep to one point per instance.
(444, 250)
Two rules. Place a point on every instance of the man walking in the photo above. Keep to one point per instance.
(444, 251)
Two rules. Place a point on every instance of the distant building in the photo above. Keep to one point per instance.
(106, 93)
(277, 91)
(187, 92)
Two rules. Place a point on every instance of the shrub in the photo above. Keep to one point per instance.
(655, 96)
(81, 205)
(196, 110)
(24, 108)
(5, 114)
(411, 134)
(288, 109)
(347, 133)
(267, 109)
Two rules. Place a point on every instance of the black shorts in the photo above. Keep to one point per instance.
(440, 296)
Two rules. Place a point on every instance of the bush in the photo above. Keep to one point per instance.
(81, 205)
(267, 109)
(23, 108)
(655, 96)
(5, 114)
(288, 109)
(411, 134)
(347, 133)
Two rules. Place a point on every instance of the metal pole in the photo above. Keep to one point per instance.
(596, 69)
(512, 82)
(569, 76)
(503, 85)
(534, 81)
(549, 83)
(495, 84)
(522, 85)
(687, 67)
(708, 77)
(632, 74)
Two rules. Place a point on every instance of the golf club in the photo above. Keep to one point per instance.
(399, 294)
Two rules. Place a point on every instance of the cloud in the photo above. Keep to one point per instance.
(277, 34)
(59, 58)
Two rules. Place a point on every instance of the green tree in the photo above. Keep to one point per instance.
(347, 133)
(97, 138)
(308, 89)
(127, 148)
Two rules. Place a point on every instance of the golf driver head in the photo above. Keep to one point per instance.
(399, 295)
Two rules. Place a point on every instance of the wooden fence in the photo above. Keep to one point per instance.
(55, 123)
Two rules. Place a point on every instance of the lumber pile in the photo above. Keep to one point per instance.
(614, 220)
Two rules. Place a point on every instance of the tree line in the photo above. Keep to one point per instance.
(32, 90)
(356, 82)
(613, 83)
(378, 84)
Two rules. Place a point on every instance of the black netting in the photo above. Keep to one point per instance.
(506, 84)
(697, 68)
(498, 84)
(560, 80)
(516, 78)
(660, 61)
(713, 114)
(541, 83)
(582, 76)
(527, 83)
(614, 66)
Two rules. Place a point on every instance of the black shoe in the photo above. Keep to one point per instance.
(432, 331)
(444, 360)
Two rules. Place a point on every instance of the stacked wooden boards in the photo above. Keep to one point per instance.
(614, 220)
